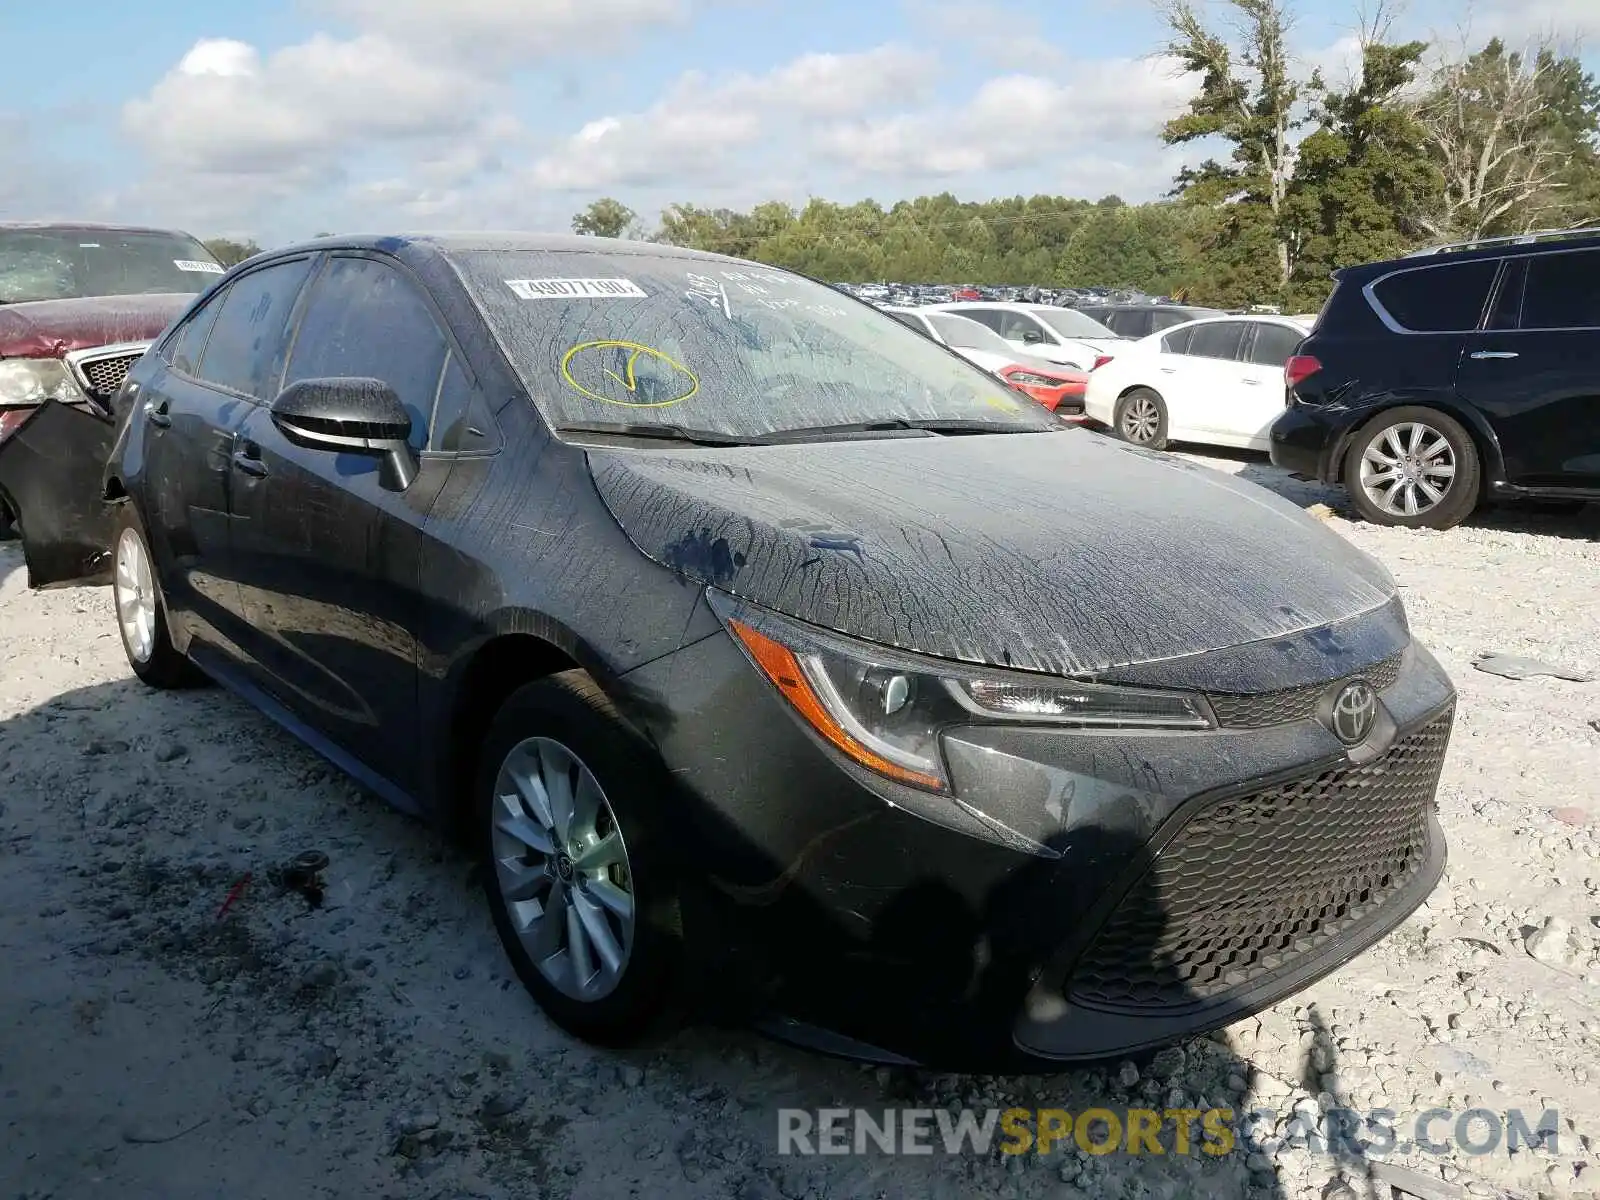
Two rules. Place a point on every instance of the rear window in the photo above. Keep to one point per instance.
(1438, 299)
(1563, 291)
(723, 347)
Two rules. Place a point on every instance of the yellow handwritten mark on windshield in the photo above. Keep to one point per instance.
(686, 382)
(1003, 403)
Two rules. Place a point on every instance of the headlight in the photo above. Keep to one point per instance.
(1032, 380)
(35, 380)
(886, 709)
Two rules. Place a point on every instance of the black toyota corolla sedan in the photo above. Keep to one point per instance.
(771, 656)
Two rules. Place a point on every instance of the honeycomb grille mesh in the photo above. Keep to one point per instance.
(105, 375)
(1251, 886)
(1239, 710)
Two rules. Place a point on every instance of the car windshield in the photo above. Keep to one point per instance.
(69, 264)
(967, 334)
(718, 347)
(1069, 322)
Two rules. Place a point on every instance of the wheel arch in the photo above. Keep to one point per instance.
(1491, 460)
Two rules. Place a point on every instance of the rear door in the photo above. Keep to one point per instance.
(328, 555)
(1534, 371)
(1206, 382)
(1259, 399)
(221, 362)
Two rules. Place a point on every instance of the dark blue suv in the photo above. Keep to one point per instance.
(1459, 375)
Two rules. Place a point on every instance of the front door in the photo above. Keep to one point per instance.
(327, 555)
(1535, 371)
(180, 450)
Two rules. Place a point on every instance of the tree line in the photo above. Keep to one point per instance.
(1419, 147)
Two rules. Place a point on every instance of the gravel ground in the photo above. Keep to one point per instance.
(153, 1045)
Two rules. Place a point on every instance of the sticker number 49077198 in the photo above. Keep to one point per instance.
(198, 266)
(582, 289)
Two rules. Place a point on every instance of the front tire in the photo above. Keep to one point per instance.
(1413, 467)
(1141, 419)
(574, 863)
(141, 612)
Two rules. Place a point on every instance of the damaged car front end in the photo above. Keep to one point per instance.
(79, 306)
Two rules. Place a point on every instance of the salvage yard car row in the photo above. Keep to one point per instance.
(649, 571)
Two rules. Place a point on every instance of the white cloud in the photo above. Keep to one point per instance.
(996, 33)
(1017, 121)
(224, 109)
(705, 127)
(1563, 21)
(500, 31)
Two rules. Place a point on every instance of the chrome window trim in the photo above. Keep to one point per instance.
(1369, 291)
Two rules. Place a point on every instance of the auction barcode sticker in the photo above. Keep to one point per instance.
(588, 289)
(189, 264)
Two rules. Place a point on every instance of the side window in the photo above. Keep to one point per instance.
(1563, 291)
(1507, 311)
(1166, 320)
(248, 332)
(993, 318)
(1446, 299)
(365, 319)
(1219, 339)
(910, 319)
(184, 354)
(462, 422)
(1177, 342)
(1274, 344)
(1016, 327)
(1135, 324)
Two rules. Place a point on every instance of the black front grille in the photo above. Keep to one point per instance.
(1257, 710)
(1251, 886)
(105, 375)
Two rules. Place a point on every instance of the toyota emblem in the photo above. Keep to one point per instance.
(1355, 709)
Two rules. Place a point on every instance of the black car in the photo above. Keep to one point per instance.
(773, 658)
(1141, 320)
(1433, 383)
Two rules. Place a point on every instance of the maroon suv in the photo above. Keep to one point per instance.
(79, 304)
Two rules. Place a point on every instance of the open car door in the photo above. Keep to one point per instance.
(52, 478)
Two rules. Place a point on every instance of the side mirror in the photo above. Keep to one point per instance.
(354, 416)
(1031, 337)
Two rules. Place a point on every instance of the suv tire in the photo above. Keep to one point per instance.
(1414, 467)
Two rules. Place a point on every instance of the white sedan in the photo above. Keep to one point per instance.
(1062, 335)
(1217, 381)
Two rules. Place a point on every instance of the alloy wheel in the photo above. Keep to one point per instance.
(562, 868)
(1140, 420)
(1408, 469)
(135, 595)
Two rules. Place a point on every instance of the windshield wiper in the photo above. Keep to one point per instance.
(940, 425)
(658, 432)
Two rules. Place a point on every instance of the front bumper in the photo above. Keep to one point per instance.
(1083, 895)
(1305, 441)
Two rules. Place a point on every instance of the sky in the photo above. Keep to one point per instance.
(279, 119)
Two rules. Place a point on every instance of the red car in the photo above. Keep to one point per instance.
(1060, 389)
(79, 305)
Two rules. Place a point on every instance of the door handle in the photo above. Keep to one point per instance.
(1251, 382)
(156, 411)
(248, 460)
(1168, 370)
(1482, 354)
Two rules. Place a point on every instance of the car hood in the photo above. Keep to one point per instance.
(51, 328)
(1060, 552)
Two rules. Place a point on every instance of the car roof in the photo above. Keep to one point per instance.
(1443, 256)
(1257, 318)
(450, 243)
(83, 227)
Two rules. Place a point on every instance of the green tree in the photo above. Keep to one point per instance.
(1513, 136)
(1363, 178)
(606, 217)
(1249, 98)
(228, 252)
